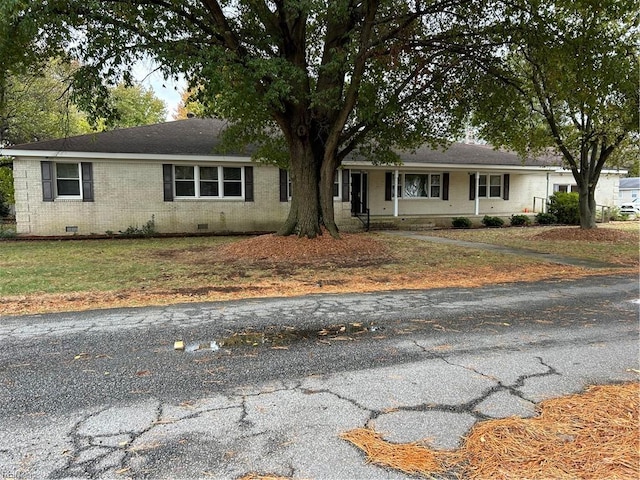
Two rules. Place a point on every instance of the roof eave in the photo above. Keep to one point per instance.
(63, 155)
(468, 167)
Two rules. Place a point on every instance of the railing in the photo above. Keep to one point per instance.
(543, 201)
(605, 213)
(365, 218)
(363, 215)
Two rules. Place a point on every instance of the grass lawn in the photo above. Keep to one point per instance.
(44, 276)
(533, 238)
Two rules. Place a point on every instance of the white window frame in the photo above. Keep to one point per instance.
(487, 185)
(429, 185)
(565, 187)
(57, 178)
(221, 183)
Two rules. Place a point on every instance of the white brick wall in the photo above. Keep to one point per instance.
(129, 193)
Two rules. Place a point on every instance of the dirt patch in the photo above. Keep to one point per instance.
(592, 235)
(350, 250)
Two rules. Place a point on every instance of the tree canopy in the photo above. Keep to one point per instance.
(568, 80)
(311, 81)
(308, 82)
(39, 105)
(134, 105)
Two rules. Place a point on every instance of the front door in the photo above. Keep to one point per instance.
(359, 193)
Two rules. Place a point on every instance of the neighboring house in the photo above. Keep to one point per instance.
(629, 190)
(109, 181)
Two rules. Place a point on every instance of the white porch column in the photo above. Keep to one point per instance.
(477, 195)
(395, 193)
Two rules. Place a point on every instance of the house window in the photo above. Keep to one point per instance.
(232, 182)
(185, 181)
(435, 186)
(207, 182)
(492, 189)
(565, 188)
(68, 180)
(421, 185)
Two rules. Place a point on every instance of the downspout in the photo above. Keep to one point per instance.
(546, 196)
(395, 193)
(477, 193)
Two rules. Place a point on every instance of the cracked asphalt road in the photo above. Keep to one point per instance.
(103, 394)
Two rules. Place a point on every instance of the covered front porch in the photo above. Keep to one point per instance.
(410, 197)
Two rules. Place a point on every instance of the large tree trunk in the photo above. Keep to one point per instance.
(593, 155)
(587, 205)
(592, 159)
(327, 175)
(304, 217)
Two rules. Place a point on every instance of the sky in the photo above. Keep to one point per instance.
(168, 91)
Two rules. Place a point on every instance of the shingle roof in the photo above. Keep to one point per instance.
(475, 154)
(200, 136)
(194, 136)
(632, 183)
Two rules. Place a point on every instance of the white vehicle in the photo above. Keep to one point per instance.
(631, 208)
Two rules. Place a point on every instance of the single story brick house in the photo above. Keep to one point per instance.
(109, 181)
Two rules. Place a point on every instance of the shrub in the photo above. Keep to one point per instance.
(7, 232)
(147, 230)
(4, 207)
(546, 219)
(564, 205)
(461, 222)
(520, 220)
(488, 221)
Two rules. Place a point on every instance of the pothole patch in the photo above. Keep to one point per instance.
(280, 338)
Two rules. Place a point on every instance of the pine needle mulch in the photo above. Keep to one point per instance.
(411, 458)
(593, 435)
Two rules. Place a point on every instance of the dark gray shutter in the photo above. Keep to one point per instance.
(388, 186)
(346, 181)
(445, 186)
(47, 181)
(472, 186)
(248, 184)
(284, 184)
(87, 181)
(167, 182)
(505, 185)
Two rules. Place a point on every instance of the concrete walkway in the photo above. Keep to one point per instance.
(522, 252)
